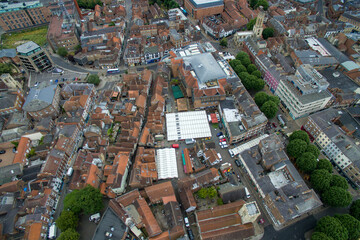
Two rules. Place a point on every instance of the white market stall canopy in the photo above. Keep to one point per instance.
(166, 163)
(185, 125)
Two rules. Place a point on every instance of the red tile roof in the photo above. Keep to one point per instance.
(24, 145)
(158, 191)
(151, 225)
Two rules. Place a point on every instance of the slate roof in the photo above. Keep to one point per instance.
(8, 53)
(39, 97)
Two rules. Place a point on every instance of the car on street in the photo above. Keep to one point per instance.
(274, 125)
(237, 163)
(186, 220)
(224, 145)
(2, 151)
(219, 134)
(222, 140)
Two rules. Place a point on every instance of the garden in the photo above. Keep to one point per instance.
(37, 35)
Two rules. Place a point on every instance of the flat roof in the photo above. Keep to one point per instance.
(166, 163)
(27, 47)
(184, 125)
(206, 3)
(248, 145)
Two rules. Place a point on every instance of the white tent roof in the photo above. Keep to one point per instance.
(185, 125)
(166, 163)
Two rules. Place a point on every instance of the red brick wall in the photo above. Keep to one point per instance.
(199, 13)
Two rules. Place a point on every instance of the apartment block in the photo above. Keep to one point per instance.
(304, 93)
(16, 16)
(33, 57)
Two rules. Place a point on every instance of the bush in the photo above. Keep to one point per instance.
(94, 79)
(62, 52)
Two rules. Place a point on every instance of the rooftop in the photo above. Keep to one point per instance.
(205, 67)
(27, 47)
(40, 97)
(110, 223)
(206, 3)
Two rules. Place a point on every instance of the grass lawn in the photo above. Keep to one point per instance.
(37, 35)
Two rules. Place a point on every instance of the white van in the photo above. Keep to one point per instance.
(189, 141)
(247, 193)
(52, 231)
(186, 220)
(219, 156)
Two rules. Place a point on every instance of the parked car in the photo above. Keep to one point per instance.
(274, 124)
(222, 140)
(2, 151)
(237, 163)
(186, 220)
(175, 145)
(222, 136)
(219, 134)
(224, 146)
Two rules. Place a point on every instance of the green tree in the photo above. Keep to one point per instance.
(320, 236)
(253, 3)
(296, 148)
(62, 52)
(244, 58)
(31, 153)
(351, 224)
(313, 149)
(240, 68)
(263, 3)
(234, 63)
(87, 200)
(268, 32)
(275, 99)
(299, 134)
(78, 48)
(332, 227)
(202, 193)
(306, 162)
(355, 209)
(320, 180)
(258, 84)
(269, 108)
(212, 192)
(220, 201)
(66, 220)
(89, 4)
(69, 234)
(339, 181)
(94, 79)
(15, 143)
(325, 164)
(260, 98)
(251, 68)
(250, 24)
(223, 42)
(5, 68)
(256, 73)
(111, 24)
(337, 197)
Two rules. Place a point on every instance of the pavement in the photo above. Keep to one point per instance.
(45, 76)
(65, 64)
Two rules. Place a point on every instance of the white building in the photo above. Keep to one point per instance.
(304, 93)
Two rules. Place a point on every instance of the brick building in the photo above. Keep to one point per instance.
(201, 8)
(15, 16)
(43, 101)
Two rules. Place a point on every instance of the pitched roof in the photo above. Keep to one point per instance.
(151, 225)
(158, 191)
(24, 145)
(40, 97)
(35, 231)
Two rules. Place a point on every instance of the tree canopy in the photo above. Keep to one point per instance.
(66, 220)
(250, 24)
(351, 224)
(233, 63)
(244, 58)
(62, 52)
(87, 200)
(332, 227)
(94, 79)
(69, 234)
(337, 197)
(311, 148)
(240, 68)
(256, 73)
(320, 180)
(300, 134)
(296, 148)
(275, 99)
(224, 42)
(268, 32)
(325, 164)
(257, 3)
(260, 98)
(251, 68)
(5, 68)
(320, 236)
(355, 209)
(306, 162)
(339, 181)
(269, 108)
